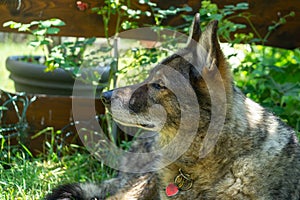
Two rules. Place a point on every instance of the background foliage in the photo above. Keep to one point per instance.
(269, 76)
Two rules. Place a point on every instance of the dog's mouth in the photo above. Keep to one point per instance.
(146, 125)
(140, 125)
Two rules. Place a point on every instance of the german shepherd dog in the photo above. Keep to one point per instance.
(220, 144)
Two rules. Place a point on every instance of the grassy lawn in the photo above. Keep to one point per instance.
(24, 177)
(30, 179)
(9, 49)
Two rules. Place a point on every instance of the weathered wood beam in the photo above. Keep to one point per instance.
(88, 24)
(265, 12)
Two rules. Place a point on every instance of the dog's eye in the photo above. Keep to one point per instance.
(158, 86)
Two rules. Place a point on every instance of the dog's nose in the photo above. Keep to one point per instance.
(106, 97)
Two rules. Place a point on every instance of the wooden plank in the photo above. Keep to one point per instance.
(79, 23)
(53, 111)
(265, 12)
(88, 24)
(50, 111)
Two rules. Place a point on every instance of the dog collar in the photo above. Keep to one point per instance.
(182, 182)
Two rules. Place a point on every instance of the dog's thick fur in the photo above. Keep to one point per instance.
(255, 156)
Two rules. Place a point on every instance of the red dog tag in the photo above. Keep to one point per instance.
(171, 190)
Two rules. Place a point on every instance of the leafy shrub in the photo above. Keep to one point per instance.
(270, 76)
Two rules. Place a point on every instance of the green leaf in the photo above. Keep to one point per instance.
(242, 6)
(46, 24)
(229, 6)
(123, 7)
(151, 4)
(228, 12)
(89, 41)
(126, 25)
(52, 30)
(282, 20)
(35, 43)
(24, 27)
(57, 22)
(15, 25)
(271, 28)
(39, 32)
(187, 9)
(9, 23)
(292, 14)
(3, 108)
(95, 9)
(142, 2)
(148, 14)
(34, 23)
(45, 42)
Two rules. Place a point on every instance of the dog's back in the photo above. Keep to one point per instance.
(256, 157)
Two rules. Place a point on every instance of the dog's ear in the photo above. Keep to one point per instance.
(205, 44)
(208, 59)
(205, 47)
(209, 46)
(195, 31)
(208, 56)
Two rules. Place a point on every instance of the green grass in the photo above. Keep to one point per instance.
(33, 178)
(10, 48)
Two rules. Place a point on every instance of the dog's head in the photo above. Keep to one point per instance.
(183, 82)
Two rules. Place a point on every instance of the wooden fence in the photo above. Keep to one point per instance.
(85, 23)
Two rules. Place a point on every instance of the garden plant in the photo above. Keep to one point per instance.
(267, 75)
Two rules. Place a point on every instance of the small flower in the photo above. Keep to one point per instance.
(82, 5)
